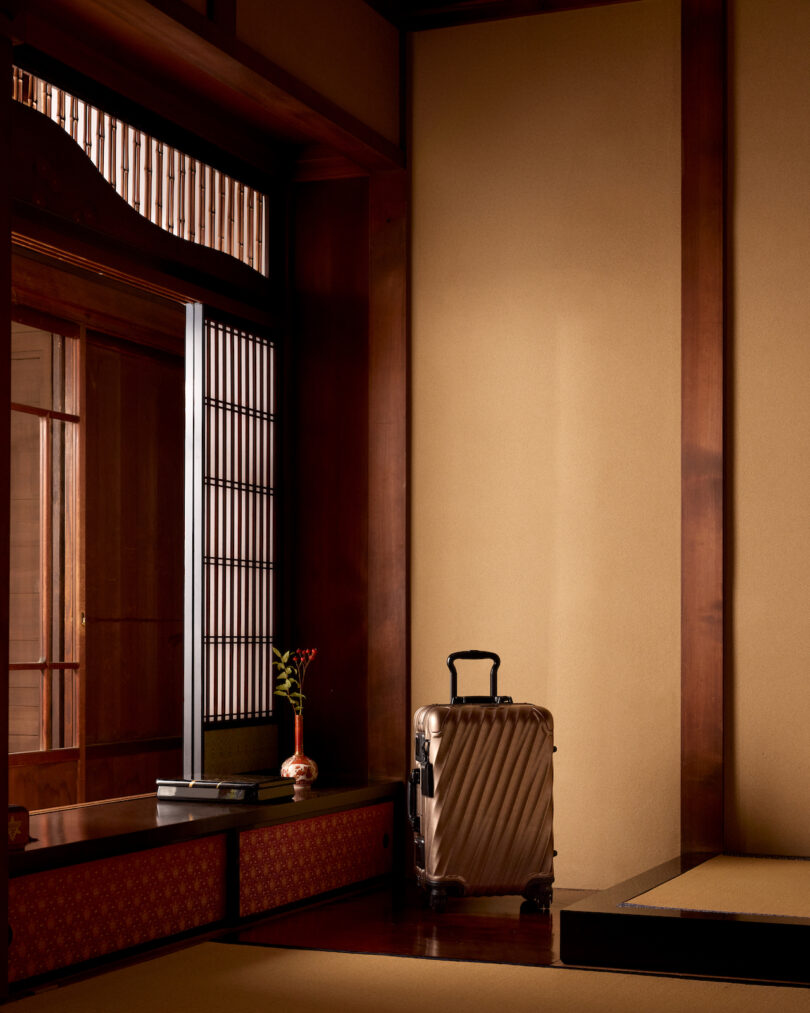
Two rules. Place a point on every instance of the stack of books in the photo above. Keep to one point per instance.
(235, 788)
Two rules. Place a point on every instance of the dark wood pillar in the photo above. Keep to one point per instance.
(327, 545)
(5, 424)
(703, 314)
(388, 591)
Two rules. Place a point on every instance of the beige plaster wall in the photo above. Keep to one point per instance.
(769, 719)
(546, 400)
(343, 49)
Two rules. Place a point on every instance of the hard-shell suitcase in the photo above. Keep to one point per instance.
(480, 795)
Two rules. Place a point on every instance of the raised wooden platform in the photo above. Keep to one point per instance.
(113, 878)
(609, 930)
(82, 833)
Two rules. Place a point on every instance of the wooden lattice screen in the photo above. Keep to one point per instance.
(229, 526)
(174, 191)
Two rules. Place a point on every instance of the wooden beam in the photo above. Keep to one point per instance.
(167, 57)
(703, 317)
(421, 15)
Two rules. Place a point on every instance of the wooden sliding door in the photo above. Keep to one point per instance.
(96, 536)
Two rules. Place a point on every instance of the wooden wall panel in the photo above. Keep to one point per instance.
(327, 446)
(703, 307)
(131, 768)
(45, 780)
(134, 548)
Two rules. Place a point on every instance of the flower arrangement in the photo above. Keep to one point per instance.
(292, 667)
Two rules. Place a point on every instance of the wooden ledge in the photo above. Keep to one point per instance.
(84, 833)
(607, 930)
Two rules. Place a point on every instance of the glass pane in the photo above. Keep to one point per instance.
(31, 366)
(42, 710)
(63, 522)
(61, 697)
(43, 369)
(25, 603)
(25, 711)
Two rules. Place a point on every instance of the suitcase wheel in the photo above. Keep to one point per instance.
(537, 899)
(437, 899)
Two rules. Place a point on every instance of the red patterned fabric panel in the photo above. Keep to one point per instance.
(65, 916)
(282, 864)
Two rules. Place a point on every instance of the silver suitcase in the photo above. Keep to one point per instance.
(480, 795)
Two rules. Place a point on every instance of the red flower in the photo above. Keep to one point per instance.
(292, 667)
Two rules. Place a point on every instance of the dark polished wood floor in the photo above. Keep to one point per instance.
(376, 921)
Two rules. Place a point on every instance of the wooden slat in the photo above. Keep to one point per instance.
(211, 456)
(251, 575)
(230, 396)
(46, 576)
(703, 605)
(239, 529)
(80, 576)
(266, 454)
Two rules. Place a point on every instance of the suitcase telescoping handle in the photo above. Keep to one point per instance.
(493, 677)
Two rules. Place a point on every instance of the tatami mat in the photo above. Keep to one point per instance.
(737, 885)
(222, 978)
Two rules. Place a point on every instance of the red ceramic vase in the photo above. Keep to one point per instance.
(298, 765)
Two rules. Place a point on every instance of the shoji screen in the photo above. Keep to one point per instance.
(230, 381)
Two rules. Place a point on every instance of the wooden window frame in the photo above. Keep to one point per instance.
(47, 664)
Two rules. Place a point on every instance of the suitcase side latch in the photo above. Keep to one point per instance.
(413, 815)
(421, 776)
(422, 757)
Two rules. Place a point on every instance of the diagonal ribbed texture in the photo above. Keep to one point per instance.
(488, 826)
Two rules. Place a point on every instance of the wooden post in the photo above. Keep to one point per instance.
(702, 588)
(5, 425)
(388, 592)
